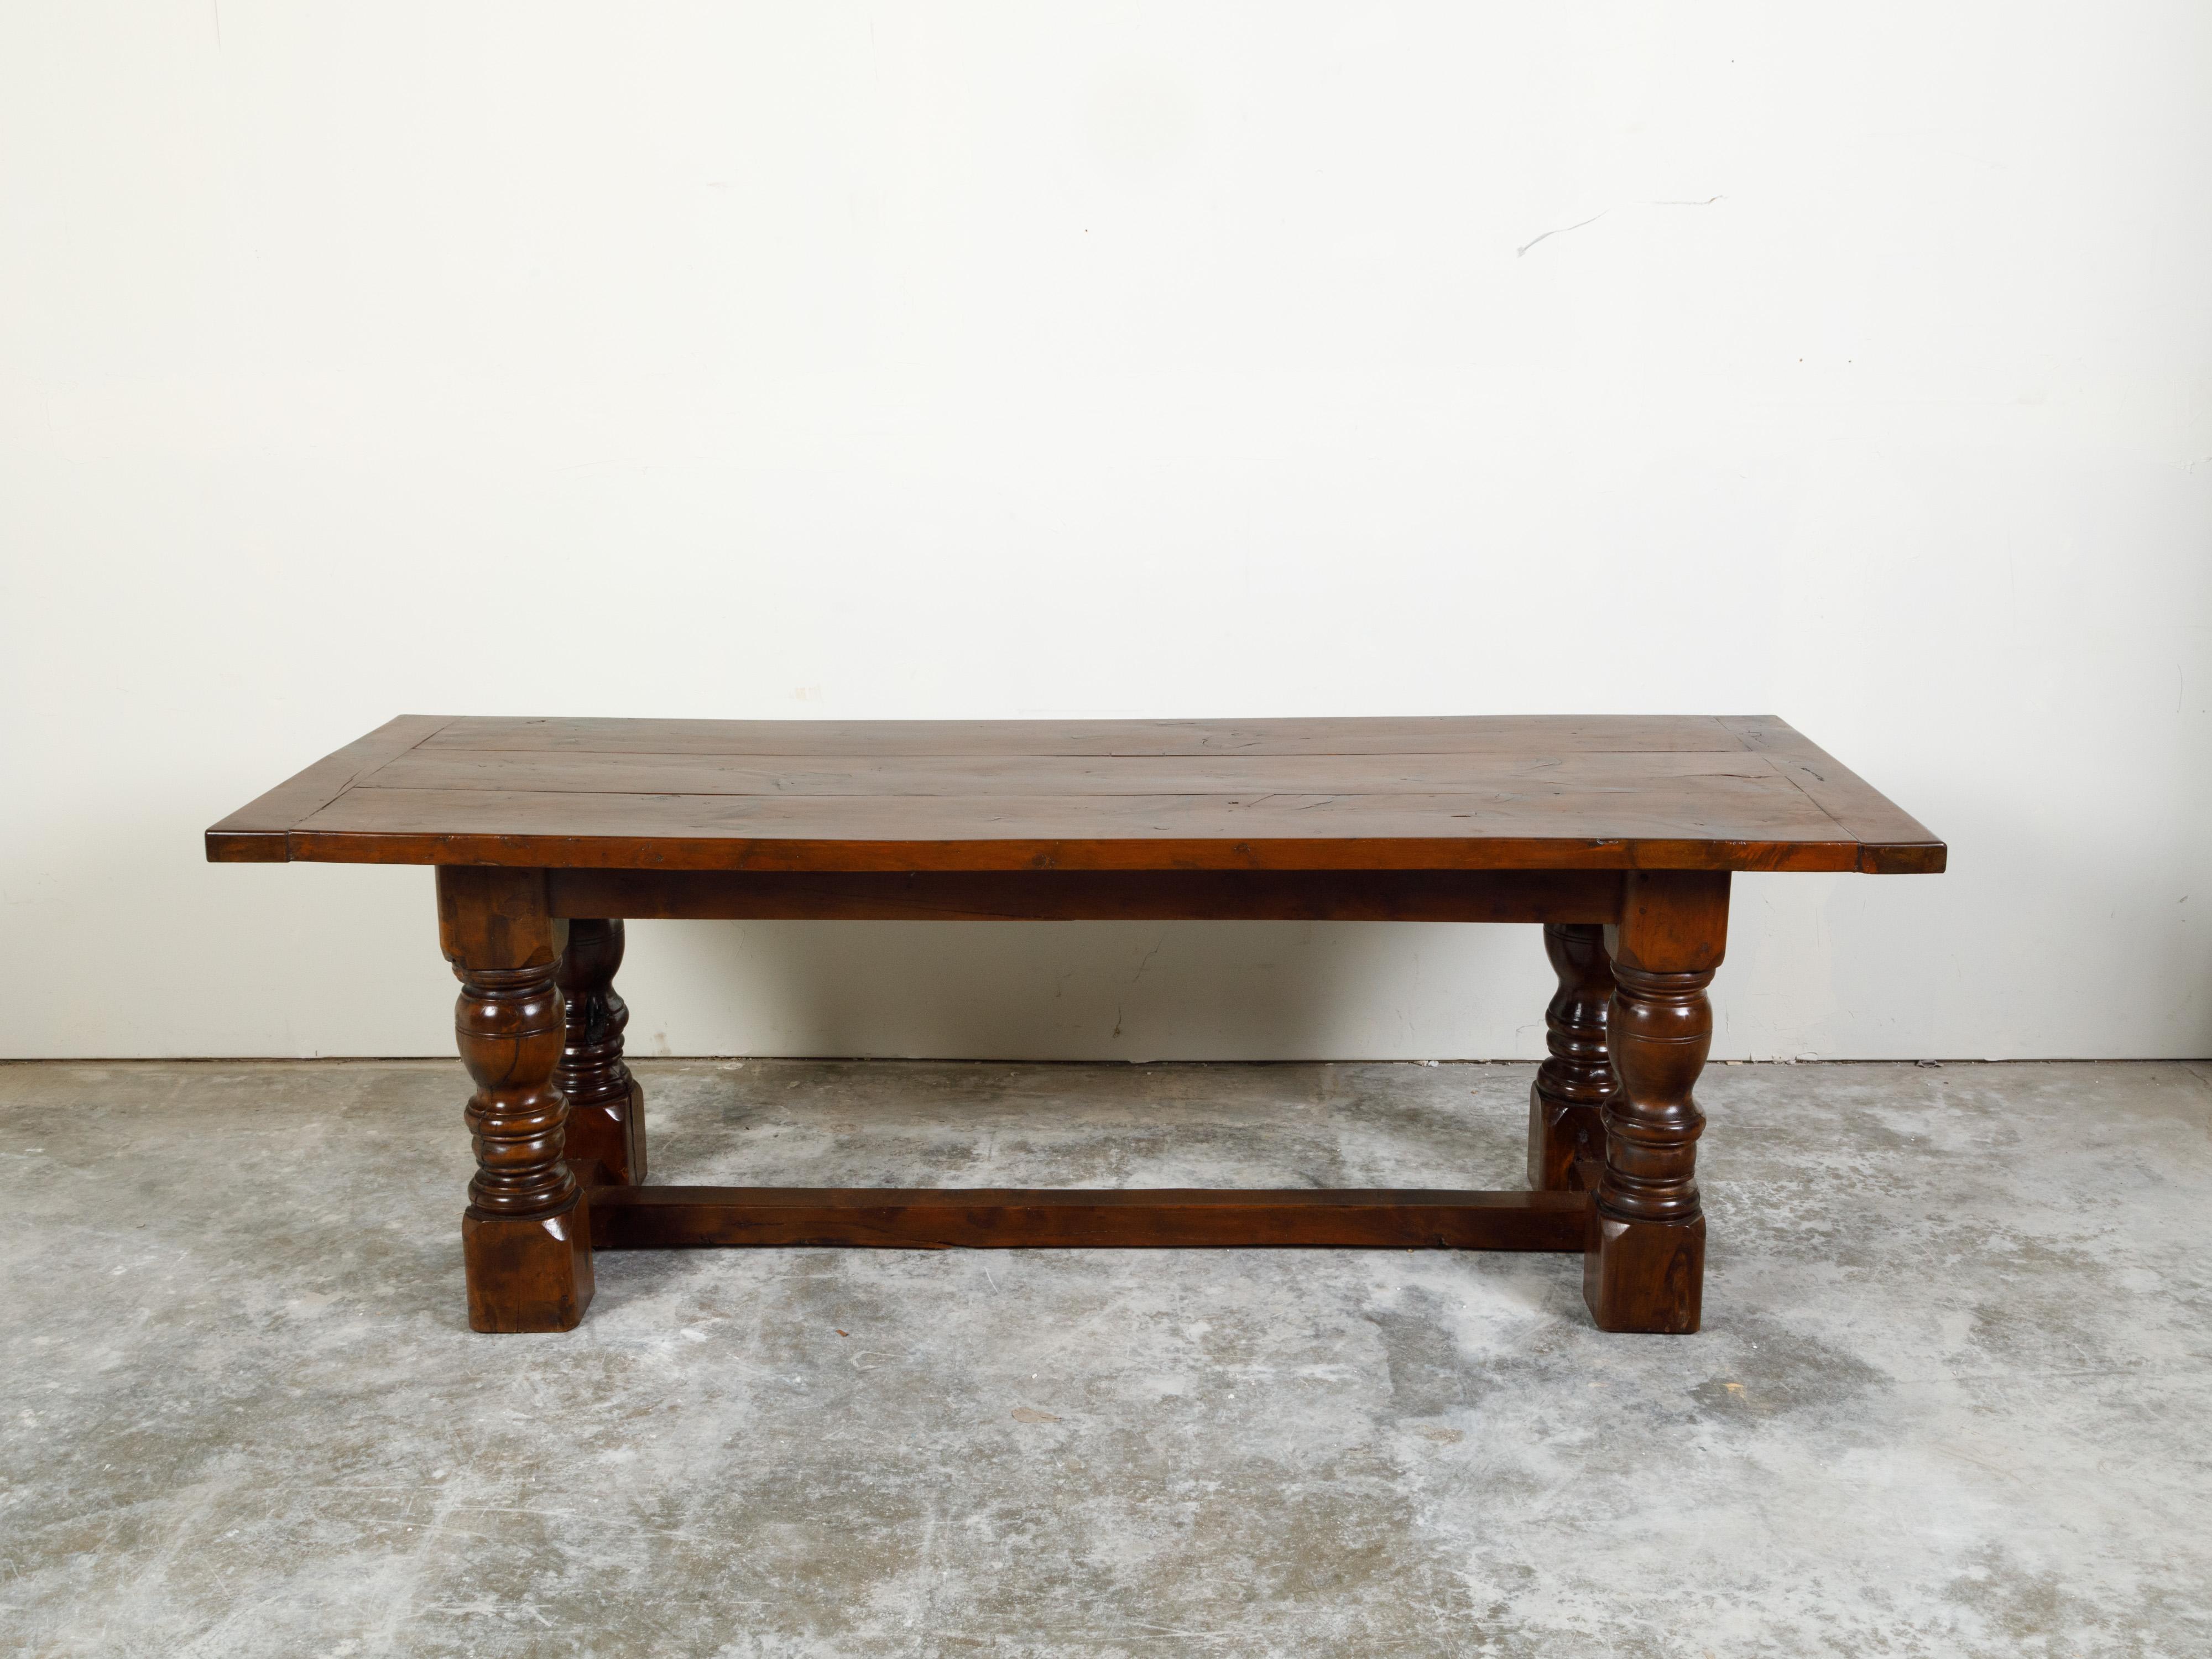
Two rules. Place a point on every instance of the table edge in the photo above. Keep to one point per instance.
(259, 832)
(677, 854)
(1894, 842)
(1874, 835)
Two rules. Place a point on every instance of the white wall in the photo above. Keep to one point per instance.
(1017, 359)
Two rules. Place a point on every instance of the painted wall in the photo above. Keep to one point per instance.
(1001, 360)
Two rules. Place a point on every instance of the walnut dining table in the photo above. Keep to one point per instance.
(1618, 835)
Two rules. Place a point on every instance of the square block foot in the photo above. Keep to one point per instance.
(532, 1273)
(612, 1133)
(1563, 1139)
(1644, 1275)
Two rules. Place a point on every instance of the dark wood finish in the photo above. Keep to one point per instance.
(256, 832)
(659, 1217)
(1616, 834)
(1416, 794)
(1585, 895)
(606, 1104)
(525, 1236)
(969, 779)
(1892, 840)
(1644, 1266)
(1567, 1137)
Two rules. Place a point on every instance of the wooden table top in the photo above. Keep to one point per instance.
(1477, 793)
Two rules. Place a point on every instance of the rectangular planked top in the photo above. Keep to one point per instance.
(1474, 793)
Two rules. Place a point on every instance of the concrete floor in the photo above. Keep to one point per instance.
(1951, 1398)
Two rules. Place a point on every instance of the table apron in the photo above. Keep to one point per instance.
(1500, 896)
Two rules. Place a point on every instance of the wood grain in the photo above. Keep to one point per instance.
(525, 1245)
(1643, 1268)
(1063, 776)
(1735, 824)
(1893, 842)
(1566, 1133)
(255, 834)
(1508, 792)
(606, 1104)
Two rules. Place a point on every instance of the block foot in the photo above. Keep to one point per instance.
(1644, 1275)
(610, 1132)
(528, 1272)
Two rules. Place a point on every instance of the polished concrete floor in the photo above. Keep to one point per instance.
(1952, 1396)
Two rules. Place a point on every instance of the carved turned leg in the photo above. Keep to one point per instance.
(525, 1236)
(1564, 1126)
(1645, 1263)
(607, 1105)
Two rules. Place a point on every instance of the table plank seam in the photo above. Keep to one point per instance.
(355, 781)
(1841, 828)
(1315, 800)
(260, 831)
(1437, 792)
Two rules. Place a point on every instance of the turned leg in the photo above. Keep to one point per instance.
(1563, 1128)
(607, 1105)
(526, 1237)
(1645, 1263)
